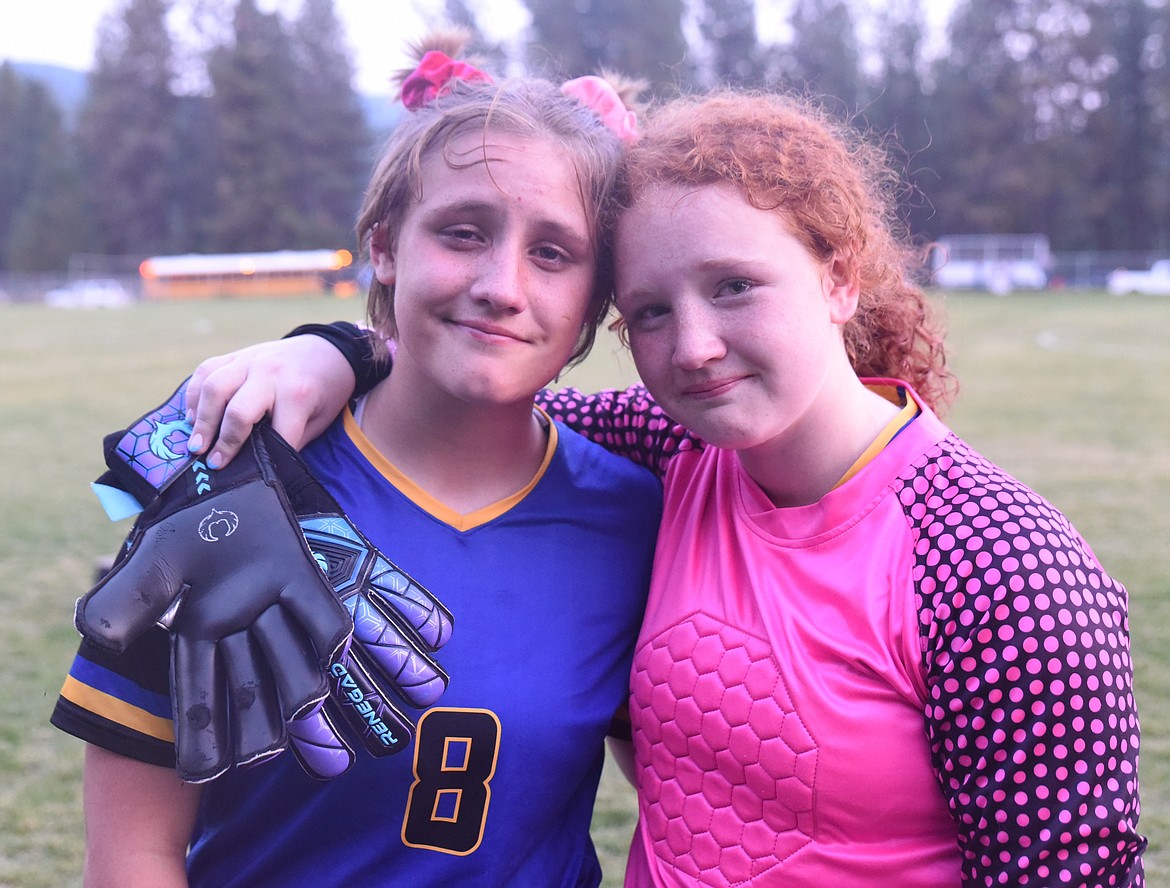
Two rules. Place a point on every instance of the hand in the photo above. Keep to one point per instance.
(259, 577)
(301, 383)
(218, 559)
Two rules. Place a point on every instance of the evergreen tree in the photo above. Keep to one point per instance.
(728, 29)
(335, 144)
(984, 125)
(1156, 90)
(897, 110)
(1128, 132)
(42, 213)
(823, 59)
(126, 131)
(18, 150)
(196, 176)
(896, 89)
(50, 226)
(256, 91)
(643, 39)
(1071, 48)
(1047, 119)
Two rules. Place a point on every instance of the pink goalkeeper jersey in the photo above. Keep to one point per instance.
(820, 694)
(778, 689)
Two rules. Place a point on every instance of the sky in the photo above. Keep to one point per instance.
(61, 32)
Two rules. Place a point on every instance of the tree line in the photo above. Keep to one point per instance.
(1047, 116)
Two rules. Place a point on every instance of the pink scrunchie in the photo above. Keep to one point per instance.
(432, 78)
(598, 95)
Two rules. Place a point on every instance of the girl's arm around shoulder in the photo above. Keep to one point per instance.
(1030, 710)
(626, 422)
(138, 822)
(300, 382)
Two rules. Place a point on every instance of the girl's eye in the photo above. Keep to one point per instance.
(460, 234)
(733, 287)
(551, 255)
(646, 317)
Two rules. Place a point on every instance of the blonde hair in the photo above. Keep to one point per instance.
(835, 192)
(531, 108)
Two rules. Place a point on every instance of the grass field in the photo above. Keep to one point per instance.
(1066, 390)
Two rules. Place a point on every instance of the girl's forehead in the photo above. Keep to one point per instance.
(472, 143)
(664, 199)
(530, 174)
(540, 157)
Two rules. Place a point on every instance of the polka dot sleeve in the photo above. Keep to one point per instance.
(1030, 711)
(627, 422)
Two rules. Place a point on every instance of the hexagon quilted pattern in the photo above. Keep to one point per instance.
(725, 762)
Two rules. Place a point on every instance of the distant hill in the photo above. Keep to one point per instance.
(67, 86)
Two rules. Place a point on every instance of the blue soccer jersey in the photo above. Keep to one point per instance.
(547, 589)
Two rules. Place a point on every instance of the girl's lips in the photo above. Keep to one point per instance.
(484, 330)
(712, 388)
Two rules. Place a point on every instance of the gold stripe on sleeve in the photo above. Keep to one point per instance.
(118, 711)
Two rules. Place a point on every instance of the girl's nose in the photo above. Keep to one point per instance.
(500, 279)
(697, 339)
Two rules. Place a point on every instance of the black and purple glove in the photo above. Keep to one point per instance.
(259, 577)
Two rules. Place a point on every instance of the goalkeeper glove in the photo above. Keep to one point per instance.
(220, 559)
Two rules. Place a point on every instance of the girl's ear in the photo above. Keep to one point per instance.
(842, 289)
(382, 255)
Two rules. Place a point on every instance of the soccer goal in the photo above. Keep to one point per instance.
(996, 262)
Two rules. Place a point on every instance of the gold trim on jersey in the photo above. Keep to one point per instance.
(458, 520)
(118, 711)
(896, 395)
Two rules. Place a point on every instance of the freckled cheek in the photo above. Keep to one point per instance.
(651, 354)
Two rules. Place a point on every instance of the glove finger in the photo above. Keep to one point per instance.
(419, 608)
(324, 620)
(319, 745)
(366, 708)
(293, 662)
(130, 599)
(202, 731)
(352, 564)
(256, 720)
(396, 653)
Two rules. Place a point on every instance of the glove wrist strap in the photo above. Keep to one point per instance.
(145, 458)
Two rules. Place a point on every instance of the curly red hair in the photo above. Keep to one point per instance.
(836, 193)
